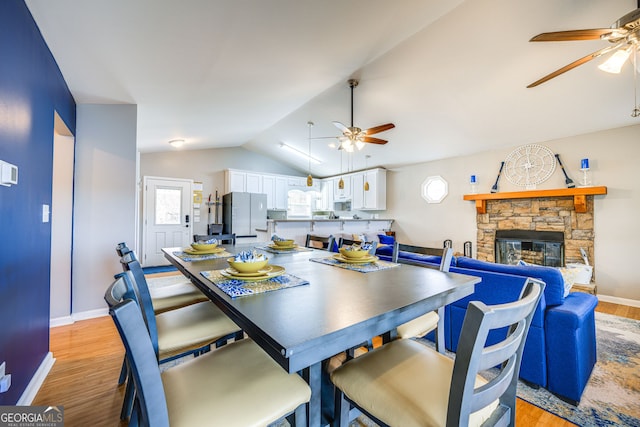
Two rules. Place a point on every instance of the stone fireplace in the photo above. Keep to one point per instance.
(538, 214)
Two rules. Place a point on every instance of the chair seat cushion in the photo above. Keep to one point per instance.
(191, 327)
(167, 298)
(235, 385)
(419, 326)
(404, 383)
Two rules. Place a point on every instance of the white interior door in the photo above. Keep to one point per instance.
(167, 211)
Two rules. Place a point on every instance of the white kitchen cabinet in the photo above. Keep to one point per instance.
(342, 193)
(327, 194)
(281, 192)
(235, 181)
(269, 188)
(376, 197)
(357, 191)
(254, 183)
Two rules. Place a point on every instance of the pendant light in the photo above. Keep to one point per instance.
(309, 177)
(636, 108)
(366, 183)
(341, 182)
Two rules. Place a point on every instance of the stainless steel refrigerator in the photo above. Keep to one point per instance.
(243, 213)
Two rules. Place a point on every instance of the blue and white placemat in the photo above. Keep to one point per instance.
(238, 288)
(363, 268)
(200, 257)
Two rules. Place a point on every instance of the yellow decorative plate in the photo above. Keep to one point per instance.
(215, 250)
(292, 246)
(275, 271)
(363, 260)
(262, 272)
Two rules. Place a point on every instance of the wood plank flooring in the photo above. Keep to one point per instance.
(89, 355)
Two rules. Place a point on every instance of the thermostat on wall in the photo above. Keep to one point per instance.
(8, 174)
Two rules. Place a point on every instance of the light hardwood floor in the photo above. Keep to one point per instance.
(89, 356)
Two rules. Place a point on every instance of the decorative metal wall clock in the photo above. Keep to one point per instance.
(529, 165)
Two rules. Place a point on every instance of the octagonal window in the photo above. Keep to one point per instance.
(434, 189)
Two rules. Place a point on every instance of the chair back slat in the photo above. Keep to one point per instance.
(326, 242)
(229, 238)
(472, 356)
(150, 404)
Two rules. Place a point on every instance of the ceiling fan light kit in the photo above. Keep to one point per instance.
(624, 36)
(353, 136)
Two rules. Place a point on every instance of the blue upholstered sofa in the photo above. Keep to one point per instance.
(560, 351)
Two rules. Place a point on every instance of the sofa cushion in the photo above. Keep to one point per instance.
(553, 292)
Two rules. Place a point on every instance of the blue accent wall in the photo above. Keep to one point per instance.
(31, 89)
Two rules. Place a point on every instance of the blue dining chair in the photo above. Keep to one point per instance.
(236, 385)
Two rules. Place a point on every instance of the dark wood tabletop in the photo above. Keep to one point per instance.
(302, 326)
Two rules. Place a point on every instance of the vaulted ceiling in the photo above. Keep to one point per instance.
(451, 75)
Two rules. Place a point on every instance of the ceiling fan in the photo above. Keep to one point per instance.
(355, 136)
(624, 36)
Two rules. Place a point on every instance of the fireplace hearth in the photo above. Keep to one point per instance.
(535, 247)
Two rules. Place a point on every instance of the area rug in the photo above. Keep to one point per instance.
(612, 396)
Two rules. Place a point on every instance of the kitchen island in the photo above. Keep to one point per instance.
(298, 229)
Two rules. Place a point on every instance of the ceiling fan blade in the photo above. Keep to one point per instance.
(562, 36)
(378, 129)
(373, 140)
(575, 64)
(342, 128)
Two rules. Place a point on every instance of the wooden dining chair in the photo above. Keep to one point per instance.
(319, 242)
(166, 298)
(236, 385)
(405, 383)
(349, 242)
(434, 320)
(229, 238)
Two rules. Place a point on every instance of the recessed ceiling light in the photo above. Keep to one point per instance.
(177, 143)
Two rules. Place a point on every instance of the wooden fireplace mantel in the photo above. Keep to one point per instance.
(579, 196)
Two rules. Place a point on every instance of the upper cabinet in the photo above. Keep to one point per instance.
(369, 189)
(277, 187)
(343, 193)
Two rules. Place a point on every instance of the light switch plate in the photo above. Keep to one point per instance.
(45, 213)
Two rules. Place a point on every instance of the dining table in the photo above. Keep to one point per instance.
(332, 309)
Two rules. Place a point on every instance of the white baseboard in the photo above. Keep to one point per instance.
(616, 300)
(83, 315)
(60, 321)
(91, 314)
(37, 380)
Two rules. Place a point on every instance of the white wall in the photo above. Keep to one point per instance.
(104, 200)
(614, 156)
(207, 166)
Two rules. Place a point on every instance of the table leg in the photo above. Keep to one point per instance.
(313, 376)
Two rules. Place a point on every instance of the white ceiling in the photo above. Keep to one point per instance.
(451, 75)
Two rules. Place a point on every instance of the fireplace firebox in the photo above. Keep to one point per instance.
(535, 247)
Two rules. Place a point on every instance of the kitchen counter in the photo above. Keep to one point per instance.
(298, 229)
(390, 221)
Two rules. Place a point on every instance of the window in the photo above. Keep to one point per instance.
(434, 189)
(168, 203)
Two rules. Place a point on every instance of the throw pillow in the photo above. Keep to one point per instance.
(386, 240)
(569, 275)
